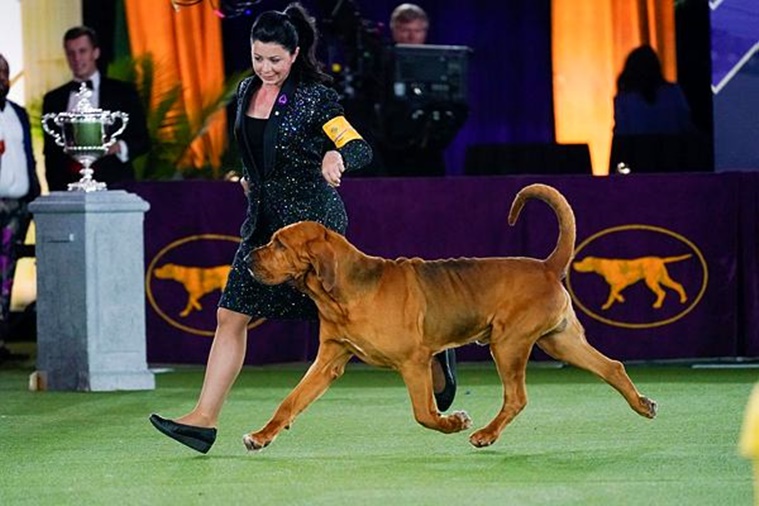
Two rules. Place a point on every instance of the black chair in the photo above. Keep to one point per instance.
(527, 158)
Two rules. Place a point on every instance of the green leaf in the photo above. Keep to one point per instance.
(169, 126)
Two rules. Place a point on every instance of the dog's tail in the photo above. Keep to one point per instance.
(559, 259)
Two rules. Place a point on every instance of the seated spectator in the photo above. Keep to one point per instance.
(653, 131)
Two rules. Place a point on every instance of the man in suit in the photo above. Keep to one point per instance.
(82, 53)
(19, 185)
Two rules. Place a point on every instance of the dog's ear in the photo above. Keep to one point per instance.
(324, 261)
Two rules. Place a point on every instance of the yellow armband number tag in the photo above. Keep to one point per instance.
(340, 131)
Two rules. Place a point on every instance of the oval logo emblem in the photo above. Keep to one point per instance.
(185, 279)
(637, 276)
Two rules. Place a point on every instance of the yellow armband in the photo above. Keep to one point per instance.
(340, 131)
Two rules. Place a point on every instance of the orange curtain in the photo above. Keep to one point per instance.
(590, 41)
(187, 48)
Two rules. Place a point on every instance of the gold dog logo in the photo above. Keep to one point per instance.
(620, 274)
(179, 290)
(197, 281)
(646, 279)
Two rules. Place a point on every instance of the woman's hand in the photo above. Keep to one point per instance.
(245, 185)
(333, 167)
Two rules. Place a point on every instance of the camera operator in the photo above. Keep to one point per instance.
(408, 128)
(406, 149)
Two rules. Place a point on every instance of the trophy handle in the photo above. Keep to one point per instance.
(124, 118)
(52, 133)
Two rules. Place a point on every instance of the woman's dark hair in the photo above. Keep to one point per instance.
(642, 73)
(291, 29)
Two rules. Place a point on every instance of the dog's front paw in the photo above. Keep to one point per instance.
(458, 421)
(482, 438)
(648, 407)
(254, 442)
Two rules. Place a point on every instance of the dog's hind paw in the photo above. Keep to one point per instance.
(648, 407)
(252, 444)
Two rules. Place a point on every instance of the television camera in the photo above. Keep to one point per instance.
(409, 95)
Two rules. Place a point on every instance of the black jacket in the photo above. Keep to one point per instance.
(290, 187)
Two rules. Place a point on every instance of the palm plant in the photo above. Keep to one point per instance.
(171, 130)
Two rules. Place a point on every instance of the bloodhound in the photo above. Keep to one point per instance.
(399, 313)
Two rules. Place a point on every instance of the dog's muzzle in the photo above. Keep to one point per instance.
(248, 261)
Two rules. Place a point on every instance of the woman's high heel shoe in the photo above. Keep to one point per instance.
(447, 360)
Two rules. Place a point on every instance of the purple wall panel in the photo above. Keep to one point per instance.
(707, 222)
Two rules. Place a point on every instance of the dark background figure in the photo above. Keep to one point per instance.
(408, 130)
(646, 103)
(19, 185)
(82, 53)
(653, 127)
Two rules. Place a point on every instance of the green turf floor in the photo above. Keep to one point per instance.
(576, 443)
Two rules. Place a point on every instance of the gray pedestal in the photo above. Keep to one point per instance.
(90, 291)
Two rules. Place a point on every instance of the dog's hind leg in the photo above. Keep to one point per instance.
(671, 283)
(653, 285)
(511, 363)
(328, 366)
(569, 345)
(417, 375)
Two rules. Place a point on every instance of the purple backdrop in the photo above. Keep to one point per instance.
(710, 220)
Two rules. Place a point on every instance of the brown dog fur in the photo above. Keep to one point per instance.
(399, 313)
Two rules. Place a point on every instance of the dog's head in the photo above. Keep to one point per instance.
(587, 264)
(166, 271)
(302, 253)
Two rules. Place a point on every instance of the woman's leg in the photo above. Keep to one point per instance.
(224, 363)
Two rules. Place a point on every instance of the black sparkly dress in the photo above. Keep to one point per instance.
(281, 159)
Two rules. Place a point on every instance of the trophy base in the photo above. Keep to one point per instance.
(87, 186)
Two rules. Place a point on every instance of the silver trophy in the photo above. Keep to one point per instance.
(83, 135)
